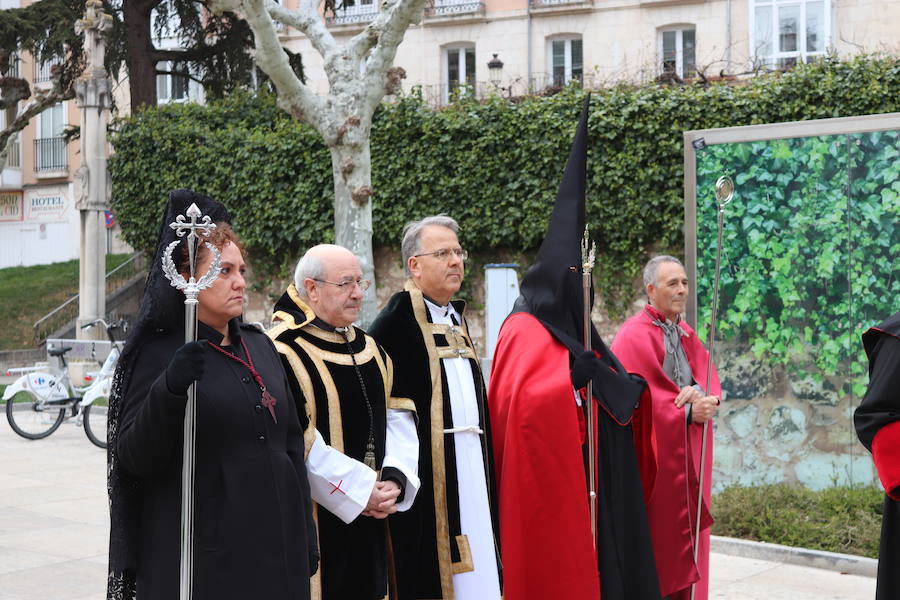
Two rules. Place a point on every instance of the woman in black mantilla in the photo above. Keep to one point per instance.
(254, 536)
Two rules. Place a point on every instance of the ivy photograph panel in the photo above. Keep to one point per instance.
(809, 246)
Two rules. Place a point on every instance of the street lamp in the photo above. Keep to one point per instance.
(495, 71)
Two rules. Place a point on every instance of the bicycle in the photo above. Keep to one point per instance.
(38, 402)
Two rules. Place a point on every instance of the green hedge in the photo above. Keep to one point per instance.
(837, 519)
(493, 165)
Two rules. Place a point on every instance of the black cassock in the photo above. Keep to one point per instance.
(877, 426)
(427, 540)
(253, 531)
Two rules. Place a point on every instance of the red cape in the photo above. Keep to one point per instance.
(545, 528)
(668, 470)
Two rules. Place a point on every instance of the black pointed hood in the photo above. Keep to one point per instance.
(551, 289)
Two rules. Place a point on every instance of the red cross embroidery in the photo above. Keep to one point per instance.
(337, 488)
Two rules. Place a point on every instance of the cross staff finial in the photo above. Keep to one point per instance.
(198, 223)
(204, 226)
(588, 252)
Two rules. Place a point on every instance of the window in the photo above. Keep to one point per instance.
(171, 87)
(677, 51)
(459, 71)
(785, 32)
(50, 145)
(564, 60)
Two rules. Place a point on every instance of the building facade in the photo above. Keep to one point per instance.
(543, 43)
(38, 220)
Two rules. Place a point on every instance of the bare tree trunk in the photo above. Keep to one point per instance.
(352, 169)
(360, 73)
(139, 48)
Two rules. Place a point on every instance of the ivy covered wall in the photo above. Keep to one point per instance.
(494, 166)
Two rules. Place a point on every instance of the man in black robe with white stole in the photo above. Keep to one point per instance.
(877, 421)
(360, 438)
(446, 545)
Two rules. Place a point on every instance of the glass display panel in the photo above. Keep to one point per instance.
(811, 241)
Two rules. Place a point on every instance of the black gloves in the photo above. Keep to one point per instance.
(186, 367)
(584, 367)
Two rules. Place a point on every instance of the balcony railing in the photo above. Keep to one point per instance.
(443, 8)
(50, 155)
(360, 13)
(539, 3)
(44, 71)
(13, 69)
(13, 156)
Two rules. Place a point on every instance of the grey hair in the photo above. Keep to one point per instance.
(653, 265)
(310, 266)
(412, 235)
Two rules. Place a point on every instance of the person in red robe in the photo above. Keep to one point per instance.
(536, 398)
(877, 421)
(659, 346)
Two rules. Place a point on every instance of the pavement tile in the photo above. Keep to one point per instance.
(70, 580)
(54, 533)
(14, 519)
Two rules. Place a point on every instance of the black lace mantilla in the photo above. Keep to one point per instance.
(162, 309)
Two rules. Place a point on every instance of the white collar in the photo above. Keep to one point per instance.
(441, 314)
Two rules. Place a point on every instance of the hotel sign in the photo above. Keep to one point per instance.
(46, 206)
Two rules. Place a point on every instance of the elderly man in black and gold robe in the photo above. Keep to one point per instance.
(360, 437)
(445, 546)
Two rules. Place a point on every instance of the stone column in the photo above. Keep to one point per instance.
(92, 188)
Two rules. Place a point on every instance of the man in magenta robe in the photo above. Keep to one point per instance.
(659, 346)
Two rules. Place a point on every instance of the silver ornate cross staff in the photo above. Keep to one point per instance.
(191, 288)
(724, 194)
(588, 251)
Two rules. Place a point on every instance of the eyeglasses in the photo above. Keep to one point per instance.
(444, 254)
(347, 284)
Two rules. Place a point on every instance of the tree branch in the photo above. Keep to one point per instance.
(308, 21)
(293, 96)
(39, 103)
(395, 19)
(184, 74)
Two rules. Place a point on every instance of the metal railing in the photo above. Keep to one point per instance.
(44, 71)
(13, 70)
(68, 311)
(444, 8)
(542, 83)
(558, 2)
(360, 13)
(14, 155)
(50, 154)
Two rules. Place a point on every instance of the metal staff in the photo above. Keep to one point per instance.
(587, 258)
(724, 193)
(191, 288)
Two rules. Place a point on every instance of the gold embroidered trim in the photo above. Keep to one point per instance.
(362, 357)
(335, 423)
(332, 336)
(309, 397)
(450, 352)
(465, 564)
(438, 468)
(387, 370)
(287, 319)
(315, 582)
(401, 404)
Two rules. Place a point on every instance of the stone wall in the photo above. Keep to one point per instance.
(776, 426)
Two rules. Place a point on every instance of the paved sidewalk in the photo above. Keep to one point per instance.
(54, 526)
